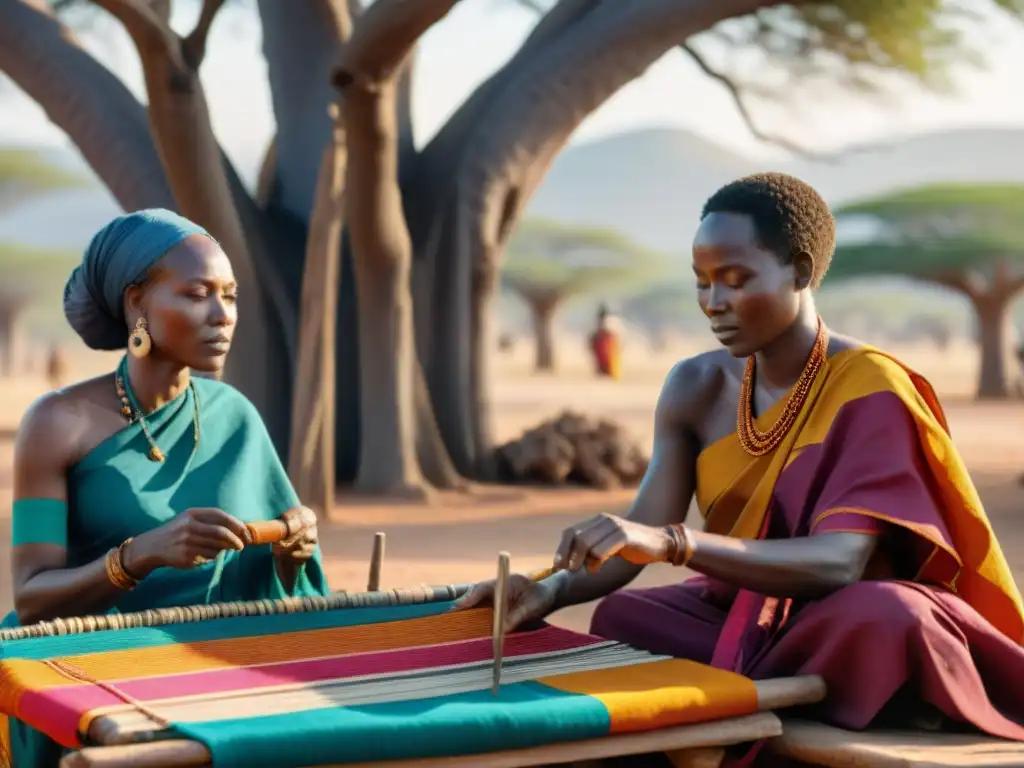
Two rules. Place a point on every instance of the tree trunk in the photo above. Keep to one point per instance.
(311, 464)
(500, 145)
(543, 311)
(10, 342)
(463, 195)
(369, 76)
(992, 311)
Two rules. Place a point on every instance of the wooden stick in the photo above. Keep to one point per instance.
(732, 730)
(771, 694)
(160, 617)
(267, 531)
(376, 562)
(500, 616)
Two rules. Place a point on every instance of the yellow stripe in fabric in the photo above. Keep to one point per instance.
(662, 693)
(6, 759)
(18, 675)
(734, 489)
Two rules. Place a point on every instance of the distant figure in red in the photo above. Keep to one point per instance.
(606, 345)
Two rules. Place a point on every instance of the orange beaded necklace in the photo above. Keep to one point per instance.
(757, 443)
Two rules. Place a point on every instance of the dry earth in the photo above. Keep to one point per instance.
(456, 539)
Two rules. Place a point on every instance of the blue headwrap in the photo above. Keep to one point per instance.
(118, 256)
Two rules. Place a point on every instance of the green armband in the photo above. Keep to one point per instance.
(39, 521)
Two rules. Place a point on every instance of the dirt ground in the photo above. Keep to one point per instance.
(456, 540)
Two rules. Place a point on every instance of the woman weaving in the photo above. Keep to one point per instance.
(132, 489)
(843, 536)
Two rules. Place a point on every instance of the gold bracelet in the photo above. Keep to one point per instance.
(116, 572)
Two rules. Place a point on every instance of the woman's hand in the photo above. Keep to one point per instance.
(592, 543)
(300, 544)
(527, 600)
(192, 538)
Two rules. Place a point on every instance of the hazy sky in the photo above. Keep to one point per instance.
(480, 35)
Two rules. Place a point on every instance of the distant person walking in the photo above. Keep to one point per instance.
(606, 345)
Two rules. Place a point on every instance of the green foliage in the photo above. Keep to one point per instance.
(851, 42)
(36, 271)
(25, 174)
(37, 276)
(665, 303)
(935, 230)
(547, 259)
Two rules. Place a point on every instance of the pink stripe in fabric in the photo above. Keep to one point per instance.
(58, 711)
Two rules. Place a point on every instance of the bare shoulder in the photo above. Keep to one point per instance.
(693, 386)
(58, 426)
(838, 342)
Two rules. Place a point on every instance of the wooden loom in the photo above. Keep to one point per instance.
(689, 745)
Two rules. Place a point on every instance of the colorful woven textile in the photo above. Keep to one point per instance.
(352, 685)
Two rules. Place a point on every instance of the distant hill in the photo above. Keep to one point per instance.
(652, 184)
(649, 184)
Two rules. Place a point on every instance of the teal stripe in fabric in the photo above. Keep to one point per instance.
(246, 626)
(39, 521)
(523, 715)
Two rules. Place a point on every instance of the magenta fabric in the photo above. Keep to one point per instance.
(900, 630)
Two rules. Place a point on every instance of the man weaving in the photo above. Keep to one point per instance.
(843, 536)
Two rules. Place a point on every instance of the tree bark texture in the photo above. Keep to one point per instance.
(311, 452)
(992, 310)
(543, 311)
(425, 230)
(991, 296)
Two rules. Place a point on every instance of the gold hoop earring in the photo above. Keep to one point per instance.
(140, 342)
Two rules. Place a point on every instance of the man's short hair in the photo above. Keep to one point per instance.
(789, 216)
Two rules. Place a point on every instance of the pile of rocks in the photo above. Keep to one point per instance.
(573, 449)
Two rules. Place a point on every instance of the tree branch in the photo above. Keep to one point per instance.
(163, 9)
(147, 30)
(971, 285)
(194, 45)
(311, 457)
(526, 123)
(302, 42)
(371, 64)
(205, 187)
(388, 30)
(86, 100)
(338, 15)
(734, 89)
(736, 92)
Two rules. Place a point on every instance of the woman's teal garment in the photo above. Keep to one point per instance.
(116, 492)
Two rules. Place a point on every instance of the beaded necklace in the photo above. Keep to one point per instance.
(132, 411)
(758, 443)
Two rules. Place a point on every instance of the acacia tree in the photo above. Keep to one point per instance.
(969, 238)
(550, 263)
(25, 175)
(422, 232)
(664, 305)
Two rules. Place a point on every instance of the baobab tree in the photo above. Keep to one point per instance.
(550, 263)
(968, 238)
(401, 246)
